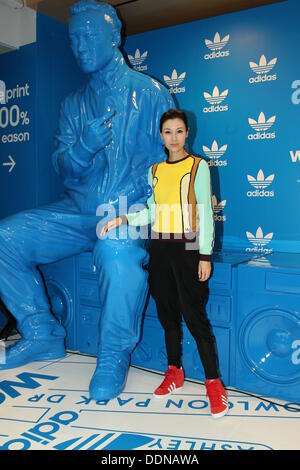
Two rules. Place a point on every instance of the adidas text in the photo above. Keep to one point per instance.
(140, 68)
(217, 163)
(215, 109)
(259, 250)
(220, 218)
(177, 90)
(263, 78)
(216, 55)
(261, 193)
(262, 136)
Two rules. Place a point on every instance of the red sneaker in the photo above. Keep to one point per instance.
(217, 396)
(173, 380)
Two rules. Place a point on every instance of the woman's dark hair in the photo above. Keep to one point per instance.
(173, 114)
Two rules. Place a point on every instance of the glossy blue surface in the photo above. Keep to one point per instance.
(253, 307)
(108, 136)
(268, 326)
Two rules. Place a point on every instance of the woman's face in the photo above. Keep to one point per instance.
(174, 134)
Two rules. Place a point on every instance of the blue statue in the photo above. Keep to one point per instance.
(108, 137)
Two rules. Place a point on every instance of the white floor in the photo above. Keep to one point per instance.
(52, 411)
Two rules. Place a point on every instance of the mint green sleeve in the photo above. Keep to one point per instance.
(147, 215)
(206, 223)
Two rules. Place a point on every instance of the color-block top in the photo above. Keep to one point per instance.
(180, 206)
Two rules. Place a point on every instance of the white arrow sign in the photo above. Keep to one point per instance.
(11, 163)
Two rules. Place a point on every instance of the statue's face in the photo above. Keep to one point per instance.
(91, 36)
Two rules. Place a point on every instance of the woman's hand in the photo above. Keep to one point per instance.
(204, 270)
(111, 225)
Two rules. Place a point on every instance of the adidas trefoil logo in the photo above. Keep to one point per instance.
(174, 81)
(259, 241)
(217, 208)
(263, 67)
(215, 99)
(215, 153)
(260, 183)
(216, 46)
(261, 126)
(137, 60)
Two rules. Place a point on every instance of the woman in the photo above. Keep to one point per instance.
(180, 209)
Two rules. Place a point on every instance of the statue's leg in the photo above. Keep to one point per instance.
(28, 239)
(123, 290)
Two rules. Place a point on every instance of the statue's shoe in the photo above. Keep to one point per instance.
(26, 351)
(110, 375)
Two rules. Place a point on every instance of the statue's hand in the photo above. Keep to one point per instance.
(97, 134)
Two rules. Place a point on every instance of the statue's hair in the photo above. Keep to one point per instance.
(86, 5)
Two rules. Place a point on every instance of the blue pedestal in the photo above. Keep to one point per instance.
(253, 307)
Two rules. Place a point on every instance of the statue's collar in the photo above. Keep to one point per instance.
(101, 80)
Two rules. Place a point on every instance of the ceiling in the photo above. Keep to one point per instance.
(144, 15)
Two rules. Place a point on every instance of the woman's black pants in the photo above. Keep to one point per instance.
(176, 290)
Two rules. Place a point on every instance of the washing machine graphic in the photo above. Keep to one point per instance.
(268, 326)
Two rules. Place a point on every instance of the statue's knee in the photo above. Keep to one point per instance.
(101, 254)
(11, 235)
(127, 261)
(7, 235)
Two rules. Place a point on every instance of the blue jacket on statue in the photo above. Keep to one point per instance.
(121, 168)
(108, 137)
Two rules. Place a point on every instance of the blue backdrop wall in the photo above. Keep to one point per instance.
(238, 78)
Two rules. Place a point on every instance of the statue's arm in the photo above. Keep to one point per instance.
(71, 156)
